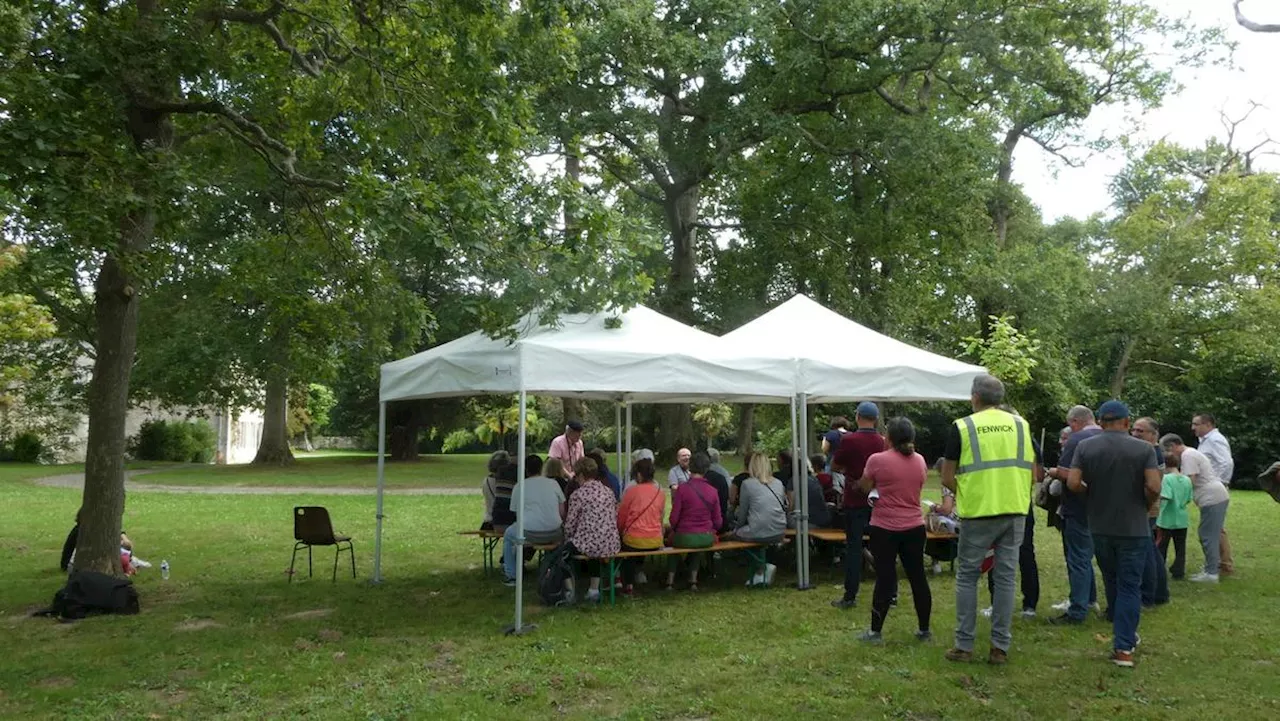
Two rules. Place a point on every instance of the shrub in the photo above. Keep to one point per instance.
(27, 448)
(178, 441)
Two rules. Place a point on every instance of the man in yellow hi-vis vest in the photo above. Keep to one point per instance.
(989, 463)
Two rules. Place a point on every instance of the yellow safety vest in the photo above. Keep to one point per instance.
(996, 462)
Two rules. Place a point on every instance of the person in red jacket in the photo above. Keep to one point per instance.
(695, 517)
(850, 459)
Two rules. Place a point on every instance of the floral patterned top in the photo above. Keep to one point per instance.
(592, 522)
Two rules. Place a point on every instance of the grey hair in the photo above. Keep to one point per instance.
(989, 390)
(498, 461)
(1171, 440)
(1080, 413)
(714, 455)
(1066, 430)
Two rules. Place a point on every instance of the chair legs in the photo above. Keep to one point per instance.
(294, 557)
(337, 553)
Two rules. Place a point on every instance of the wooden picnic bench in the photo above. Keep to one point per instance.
(492, 539)
(753, 549)
(837, 535)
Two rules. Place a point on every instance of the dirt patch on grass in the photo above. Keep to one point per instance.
(197, 624)
(328, 635)
(304, 615)
(56, 682)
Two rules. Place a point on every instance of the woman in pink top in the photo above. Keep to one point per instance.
(897, 526)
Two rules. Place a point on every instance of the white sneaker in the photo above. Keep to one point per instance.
(1204, 578)
(1062, 606)
(769, 571)
(937, 568)
(986, 612)
(756, 580)
(641, 578)
(1028, 613)
(1096, 607)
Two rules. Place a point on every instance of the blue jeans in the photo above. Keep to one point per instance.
(1122, 560)
(509, 556)
(1155, 577)
(1084, 585)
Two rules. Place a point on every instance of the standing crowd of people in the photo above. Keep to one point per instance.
(1118, 492)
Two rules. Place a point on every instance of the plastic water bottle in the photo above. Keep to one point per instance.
(164, 569)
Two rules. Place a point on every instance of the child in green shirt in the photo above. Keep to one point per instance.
(1175, 496)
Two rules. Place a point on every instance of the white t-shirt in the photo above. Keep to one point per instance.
(541, 505)
(1206, 488)
(677, 475)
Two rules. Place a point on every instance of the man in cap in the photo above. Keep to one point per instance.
(989, 463)
(850, 459)
(1119, 475)
(568, 446)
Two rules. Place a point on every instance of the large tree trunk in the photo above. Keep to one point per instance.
(573, 409)
(273, 450)
(746, 428)
(404, 420)
(675, 428)
(116, 316)
(1122, 367)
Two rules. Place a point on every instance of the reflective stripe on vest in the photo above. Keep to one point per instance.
(988, 481)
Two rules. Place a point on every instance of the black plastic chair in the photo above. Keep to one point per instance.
(312, 527)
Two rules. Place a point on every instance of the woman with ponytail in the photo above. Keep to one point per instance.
(897, 526)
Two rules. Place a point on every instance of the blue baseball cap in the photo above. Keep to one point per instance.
(867, 409)
(1113, 411)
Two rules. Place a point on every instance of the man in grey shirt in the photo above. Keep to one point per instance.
(1120, 477)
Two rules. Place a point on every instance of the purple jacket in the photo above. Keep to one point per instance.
(695, 507)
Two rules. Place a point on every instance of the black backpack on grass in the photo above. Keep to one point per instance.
(555, 568)
(89, 593)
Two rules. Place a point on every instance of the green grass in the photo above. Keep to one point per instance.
(336, 469)
(220, 639)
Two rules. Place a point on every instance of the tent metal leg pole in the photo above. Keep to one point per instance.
(382, 476)
(802, 488)
(519, 627)
(618, 469)
(624, 480)
(795, 475)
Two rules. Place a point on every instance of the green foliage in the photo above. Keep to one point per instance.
(457, 440)
(309, 409)
(714, 419)
(1007, 353)
(177, 441)
(26, 448)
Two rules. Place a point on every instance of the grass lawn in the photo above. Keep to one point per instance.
(349, 470)
(227, 637)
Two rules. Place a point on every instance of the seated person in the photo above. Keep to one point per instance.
(762, 510)
(503, 485)
(941, 518)
(832, 482)
(489, 489)
(610, 478)
(816, 506)
(716, 468)
(718, 478)
(695, 517)
(555, 470)
(679, 473)
(591, 526)
(640, 520)
(544, 511)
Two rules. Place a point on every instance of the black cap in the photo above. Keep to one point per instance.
(574, 425)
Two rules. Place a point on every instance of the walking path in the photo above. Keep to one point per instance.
(76, 480)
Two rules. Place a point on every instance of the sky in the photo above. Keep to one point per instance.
(1189, 118)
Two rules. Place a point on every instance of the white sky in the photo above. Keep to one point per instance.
(1189, 118)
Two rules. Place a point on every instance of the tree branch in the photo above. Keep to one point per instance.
(1248, 24)
(279, 156)
(1054, 150)
(655, 170)
(894, 102)
(618, 175)
(310, 63)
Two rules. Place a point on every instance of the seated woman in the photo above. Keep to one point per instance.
(640, 520)
(591, 525)
(554, 469)
(504, 483)
(762, 511)
(489, 489)
(816, 503)
(610, 478)
(695, 516)
(544, 510)
(897, 527)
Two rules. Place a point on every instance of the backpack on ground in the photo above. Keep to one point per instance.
(88, 593)
(556, 567)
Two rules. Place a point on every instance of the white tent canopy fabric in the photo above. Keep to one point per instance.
(639, 355)
(839, 361)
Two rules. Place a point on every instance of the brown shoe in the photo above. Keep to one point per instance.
(997, 657)
(959, 655)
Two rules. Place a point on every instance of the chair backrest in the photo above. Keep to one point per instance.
(311, 525)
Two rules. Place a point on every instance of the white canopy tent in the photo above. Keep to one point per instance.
(634, 356)
(848, 362)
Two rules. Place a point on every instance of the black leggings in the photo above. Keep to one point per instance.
(1179, 538)
(887, 547)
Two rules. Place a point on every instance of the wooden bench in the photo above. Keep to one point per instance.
(754, 550)
(492, 539)
(836, 535)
